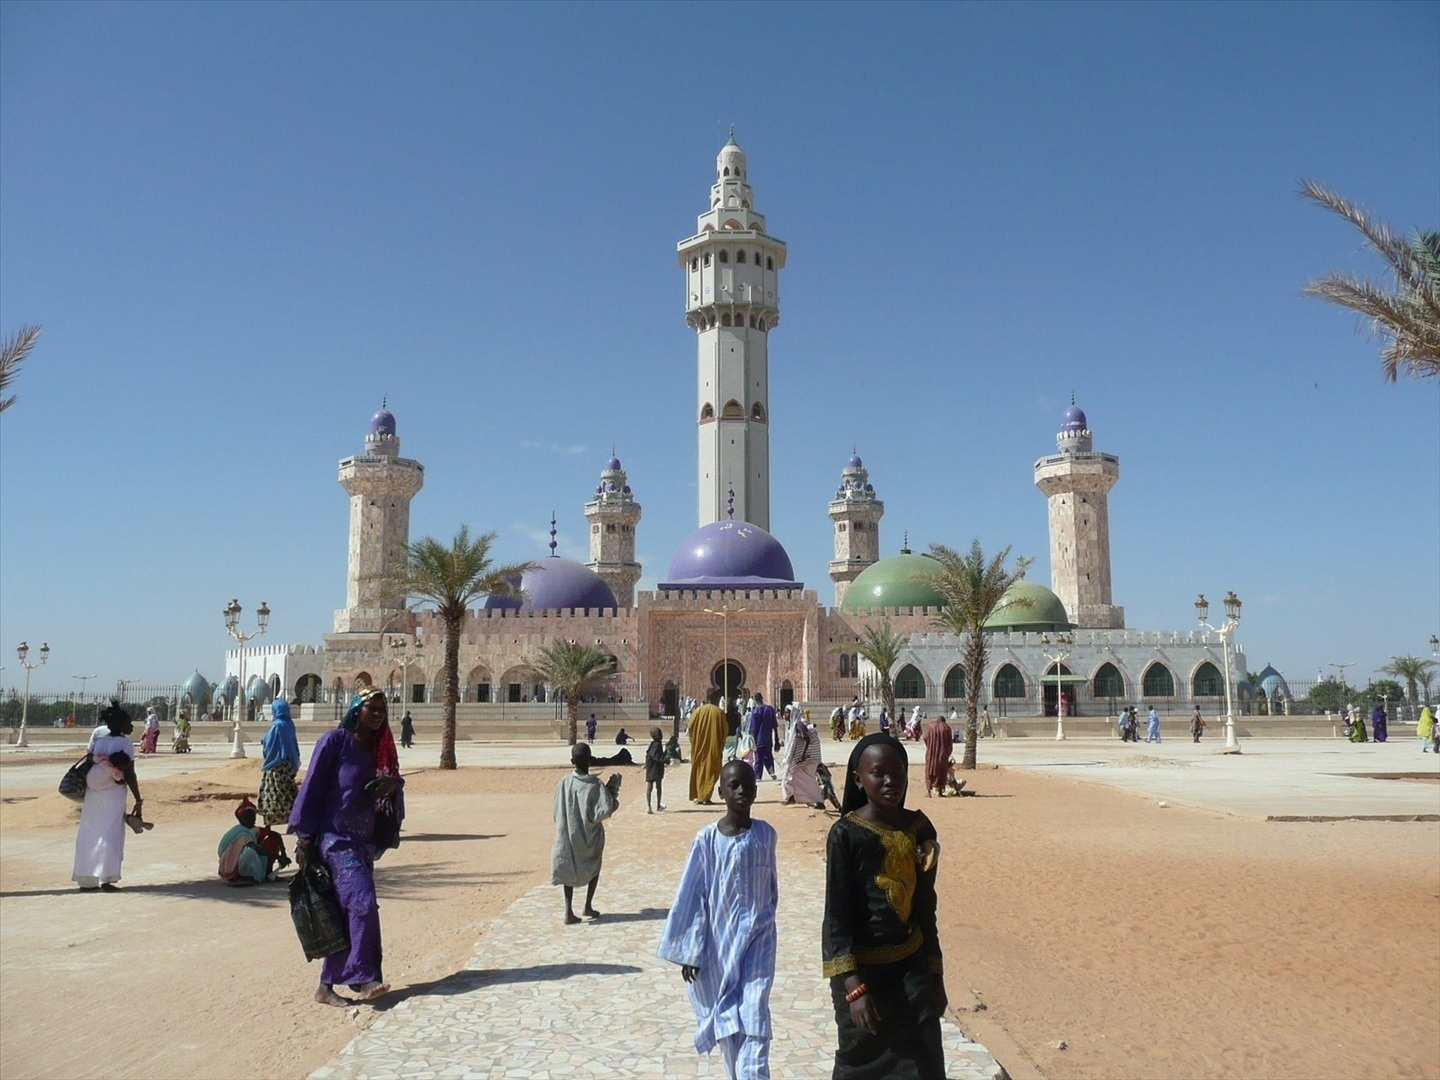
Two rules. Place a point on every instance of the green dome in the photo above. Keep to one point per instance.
(1044, 613)
(900, 581)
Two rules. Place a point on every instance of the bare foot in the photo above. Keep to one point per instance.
(326, 996)
(571, 918)
(371, 990)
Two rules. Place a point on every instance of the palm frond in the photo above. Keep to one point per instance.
(13, 352)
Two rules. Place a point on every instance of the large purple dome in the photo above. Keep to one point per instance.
(1073, 419)
(734, 554)
(382, 423)
(558, 583)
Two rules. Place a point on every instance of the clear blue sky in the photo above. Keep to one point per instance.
(242, 224)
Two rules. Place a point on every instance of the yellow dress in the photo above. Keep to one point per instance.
(707, 745)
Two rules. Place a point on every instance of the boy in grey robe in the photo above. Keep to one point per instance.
(582, 803)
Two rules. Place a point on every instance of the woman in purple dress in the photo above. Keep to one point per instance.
(354, 772)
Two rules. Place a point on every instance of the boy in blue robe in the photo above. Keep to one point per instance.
(721, 930)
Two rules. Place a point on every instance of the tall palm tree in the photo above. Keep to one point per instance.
(1407, 316)
(881, 646)
(1414, 671)
(452, 578)
(974, 589)
(568, 668)
(13, 350)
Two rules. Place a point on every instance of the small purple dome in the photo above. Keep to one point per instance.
(1073, 419)
(626, 490)
(613, 464)
(558, 583)
(730, 553)
(854, 462)
(382, 423)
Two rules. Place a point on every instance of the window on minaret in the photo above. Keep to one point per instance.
(740, 256)
(707, 258)
(758, 412)
(724, 256)
(769, 263)
(694, 264)
(707, 412)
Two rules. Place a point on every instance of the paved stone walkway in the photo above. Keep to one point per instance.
(525, 1006)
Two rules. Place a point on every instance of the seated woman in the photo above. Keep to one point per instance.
(244, 858)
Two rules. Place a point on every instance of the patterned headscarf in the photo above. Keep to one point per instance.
(387, 759)
(245, 805)
(854, 794)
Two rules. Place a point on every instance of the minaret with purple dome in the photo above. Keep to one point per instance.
(856, 513)
(732, 301)
(1077, 482)
(380, 484)
(613, 514)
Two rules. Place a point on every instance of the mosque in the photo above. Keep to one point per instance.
(690, 633)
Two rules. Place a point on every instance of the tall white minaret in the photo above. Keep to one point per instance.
(1077, 482)
(380, 484)
(732, 300)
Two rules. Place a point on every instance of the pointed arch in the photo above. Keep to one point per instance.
(1207, 682)
(707, 412)
(909, 683)
(1107, 682)
(757, 412)
(1009, 683)
(733, 411)
(955, 682)
(1158, 681)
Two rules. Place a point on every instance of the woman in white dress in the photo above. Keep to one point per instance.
(100, 843)
(798, 780)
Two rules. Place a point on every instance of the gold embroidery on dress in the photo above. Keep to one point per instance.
(896, 878)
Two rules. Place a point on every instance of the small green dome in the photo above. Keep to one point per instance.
(901, 581)
(1045, 612)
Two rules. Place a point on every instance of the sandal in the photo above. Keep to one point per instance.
(138, 824)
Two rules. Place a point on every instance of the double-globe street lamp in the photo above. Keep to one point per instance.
(82, 679)
(22, 651)
(232, 626)
(404, 658)
(1226, 632)
(725, 612)
(1058, 658)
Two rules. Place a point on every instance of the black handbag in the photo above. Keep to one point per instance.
(387, 826)
(319, 923)
(72, 784)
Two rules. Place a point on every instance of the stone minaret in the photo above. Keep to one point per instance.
(380, 484)
(1077, 481)
(613, 514)
(856, 514)
(732, 300)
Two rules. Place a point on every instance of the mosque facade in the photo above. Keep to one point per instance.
(730, 612)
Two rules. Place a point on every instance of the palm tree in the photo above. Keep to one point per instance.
(1414, 671)
(881, 646)
(452, 578)
(568, 668)
(974, 589)
(12, 352)
(1407, 317)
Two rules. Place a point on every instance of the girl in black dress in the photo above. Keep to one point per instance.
(879, 941)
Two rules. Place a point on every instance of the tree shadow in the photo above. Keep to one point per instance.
(468, 979)
(425, 838)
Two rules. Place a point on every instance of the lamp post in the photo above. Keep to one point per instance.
(1058, 658)
(725, 612)
(22, 651)
(404, 657)
(83, 680)
(232, 626)
(1232, 620)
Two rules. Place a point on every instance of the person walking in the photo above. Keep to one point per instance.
(1197, 724)
(353, 778)
(407, 731)
(1424, 728)
(582, 803)
(591, 726)
(655, 769)
(765, 731)
(281, 749)
(939, 743)
(1379, 724)
(707, 746)
(1152, 726)
(100, 841)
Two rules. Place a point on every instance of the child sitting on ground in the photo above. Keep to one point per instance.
(721, 930)
(655, 769)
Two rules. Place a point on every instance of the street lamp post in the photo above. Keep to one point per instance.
(232, 626)
(404, 657)
(1058, 658)
(725, 612)
(83, 680)
(22, 651)
(1232, 620)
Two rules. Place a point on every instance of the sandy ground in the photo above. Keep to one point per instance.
(1152, 942)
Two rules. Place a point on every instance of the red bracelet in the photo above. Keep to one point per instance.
(856, 994)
